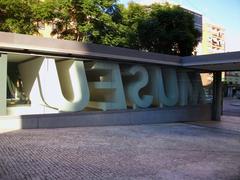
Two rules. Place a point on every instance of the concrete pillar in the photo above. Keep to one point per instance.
(3, 84)
(217, 96)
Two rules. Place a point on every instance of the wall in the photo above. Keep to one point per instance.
(120, 117)
(3, 83)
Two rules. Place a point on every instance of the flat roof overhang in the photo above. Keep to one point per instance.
(27, 44)
(33, 45)
(229, 61)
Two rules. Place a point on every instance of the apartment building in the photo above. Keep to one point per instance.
(232, 77)
(45, 29)
(213, 39)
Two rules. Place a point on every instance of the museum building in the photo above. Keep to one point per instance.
(48, 83)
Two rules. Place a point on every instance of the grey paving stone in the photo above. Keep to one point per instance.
(167, 151)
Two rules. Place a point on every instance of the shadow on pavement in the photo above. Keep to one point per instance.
(231, 107)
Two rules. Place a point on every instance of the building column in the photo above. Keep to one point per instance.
(3, 84)
(217, 96)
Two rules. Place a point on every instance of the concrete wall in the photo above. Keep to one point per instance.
(120, 117)
(3, 83)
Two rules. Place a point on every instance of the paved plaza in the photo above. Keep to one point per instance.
(198, 150)
(231, 106)
(166, 151)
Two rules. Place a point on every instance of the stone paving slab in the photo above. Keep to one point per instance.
(227, 123)
(167, 151)
(230, 108)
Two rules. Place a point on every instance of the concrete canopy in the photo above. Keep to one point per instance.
(33, 46)
(215, 62)
(11, 42)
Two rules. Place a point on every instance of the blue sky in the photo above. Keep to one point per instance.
(221, 12)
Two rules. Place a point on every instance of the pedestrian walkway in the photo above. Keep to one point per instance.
(231, 106)
(164, 151)
(227, 123)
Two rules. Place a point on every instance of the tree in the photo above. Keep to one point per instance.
(158, 28)
(60, 15)
(168, 29)
(17, 16)
(97, 21)
(133, 15)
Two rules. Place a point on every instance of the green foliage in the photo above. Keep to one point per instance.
(17, 16)
(97, 21)
(61, 15)
(133, 15)
(158, 28)
(168, 29)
